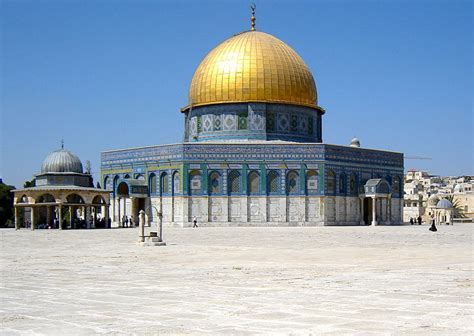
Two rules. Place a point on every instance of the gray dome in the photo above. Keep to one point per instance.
(444, 204)
(355, 142)
(433, 200)
(61, 161)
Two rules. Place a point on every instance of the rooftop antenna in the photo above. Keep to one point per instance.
(253, 7)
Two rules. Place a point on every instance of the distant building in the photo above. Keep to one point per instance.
(423, 192)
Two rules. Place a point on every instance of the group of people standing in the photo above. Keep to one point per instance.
(418, 221)
(415, 220)
(127, 222)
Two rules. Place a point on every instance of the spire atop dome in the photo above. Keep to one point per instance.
(62, 143)
(253, 19)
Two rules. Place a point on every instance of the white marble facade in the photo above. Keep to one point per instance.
(179, 211)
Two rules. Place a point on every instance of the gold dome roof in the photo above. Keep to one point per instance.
(253, 67)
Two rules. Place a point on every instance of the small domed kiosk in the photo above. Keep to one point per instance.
(443, 211)
(63, 196)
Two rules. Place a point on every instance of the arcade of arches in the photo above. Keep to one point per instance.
(61, 208)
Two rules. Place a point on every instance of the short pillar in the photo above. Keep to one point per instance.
(374, 211)
(141, 224)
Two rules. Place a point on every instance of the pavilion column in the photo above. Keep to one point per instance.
(48, 215)
(60, 217)
(389, 209)
(94, 215)
(17, 223)
(374, 210)
(87, 215)
(70, 217)
(33, 219)
(106, 215)
(119, 219)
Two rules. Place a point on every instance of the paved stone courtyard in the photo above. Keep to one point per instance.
(401, 280)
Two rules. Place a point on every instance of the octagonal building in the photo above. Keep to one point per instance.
(253, 153)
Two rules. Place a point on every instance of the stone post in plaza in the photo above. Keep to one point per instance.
(141, 224)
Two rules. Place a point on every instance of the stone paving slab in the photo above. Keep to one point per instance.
(400, 280)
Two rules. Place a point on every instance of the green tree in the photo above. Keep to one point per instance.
(6, 203)
(458, 211)
(29, 184)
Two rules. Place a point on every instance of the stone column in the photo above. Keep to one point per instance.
(118, 212)
(48, 215)
(17, 224)
(389, 210)
(60, 217)
(70, 217)
(374, 211)
(94, 215)
(33, 219)
(87, 216)
(106, 214)
(361, 215)
(124, 206)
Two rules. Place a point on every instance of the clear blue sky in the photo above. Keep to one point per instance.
(113, 74)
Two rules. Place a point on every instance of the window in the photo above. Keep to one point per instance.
(254, 183)
(152, 183)
(164, 183)
(195, 182)
(353, 184)
(292, 182)
(396, 185)
(342, 183)
(234, 182)
(214, 183)
(273, 182)
(330, 183)
(176, 184)
(312, 181)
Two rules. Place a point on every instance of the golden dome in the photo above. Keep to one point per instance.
(253, 67)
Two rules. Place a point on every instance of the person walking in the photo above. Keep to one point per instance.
(419, 220)
(411, 220)
(195, 221)
(433, 225)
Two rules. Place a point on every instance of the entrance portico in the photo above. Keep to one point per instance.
(130, 195)
(376, 203)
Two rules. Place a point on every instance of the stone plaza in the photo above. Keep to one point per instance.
(362, 280)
